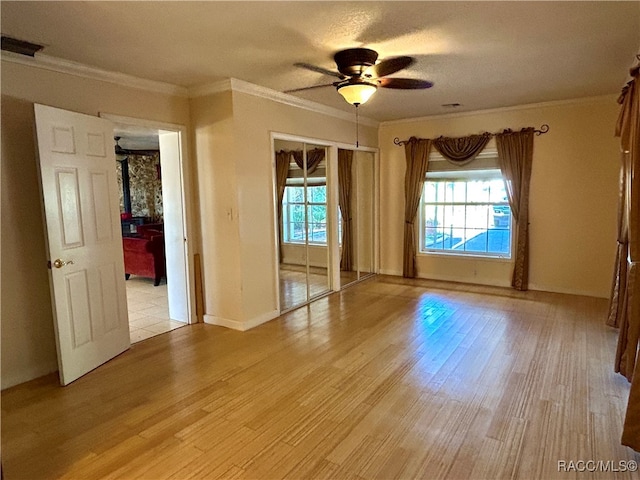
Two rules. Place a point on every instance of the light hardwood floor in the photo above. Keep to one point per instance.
(387, 379)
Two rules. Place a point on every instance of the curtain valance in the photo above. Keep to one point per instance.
(314, 157)
(461, 150)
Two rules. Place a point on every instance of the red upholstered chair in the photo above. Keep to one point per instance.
(144, 255)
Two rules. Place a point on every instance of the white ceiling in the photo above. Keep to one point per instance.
(479, 54)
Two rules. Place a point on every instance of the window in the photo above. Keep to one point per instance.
(293, 218)
(469, 214)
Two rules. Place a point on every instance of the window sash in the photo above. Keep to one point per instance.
(489, 236)
(313, 230)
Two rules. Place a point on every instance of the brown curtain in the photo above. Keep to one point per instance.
(417, 157)
(314, 157)
(345, 160)
(619, 285)
(282, 172)
(461, 150)
(515, 155)
(628, 319)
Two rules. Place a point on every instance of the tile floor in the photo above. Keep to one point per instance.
(148, 309)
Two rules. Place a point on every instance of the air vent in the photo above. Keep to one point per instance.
(20, 46)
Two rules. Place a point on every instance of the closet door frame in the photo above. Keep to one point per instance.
(332, 210)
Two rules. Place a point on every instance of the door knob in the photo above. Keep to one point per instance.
(61, 263)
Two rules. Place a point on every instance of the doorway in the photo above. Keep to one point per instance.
(159, 301)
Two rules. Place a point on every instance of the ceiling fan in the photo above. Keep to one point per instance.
(360, 76)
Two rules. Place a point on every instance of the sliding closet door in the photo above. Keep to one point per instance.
(356, 177)
(365, 188)
(317, 225)
(301, 192)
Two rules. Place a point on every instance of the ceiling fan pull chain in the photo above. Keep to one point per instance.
(357, 127)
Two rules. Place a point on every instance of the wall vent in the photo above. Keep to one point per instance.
(20, 46)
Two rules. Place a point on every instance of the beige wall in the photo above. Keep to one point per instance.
(573, 200)
(249, 242)
(28, 344)
(215, 145)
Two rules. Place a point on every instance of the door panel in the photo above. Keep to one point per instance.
(365, 187)
(361, 208)
(69, 207)
(303, 250)
(100, 204)
(77, 293)
(317, 222)
(79, 192)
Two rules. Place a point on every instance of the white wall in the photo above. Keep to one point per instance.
(573, 198)
(28, 344)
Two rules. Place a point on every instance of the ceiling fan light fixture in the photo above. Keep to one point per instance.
(357, 93)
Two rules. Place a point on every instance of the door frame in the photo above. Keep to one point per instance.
(187, 210)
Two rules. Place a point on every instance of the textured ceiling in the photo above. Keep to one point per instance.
(479, 54)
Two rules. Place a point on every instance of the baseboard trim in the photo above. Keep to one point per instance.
(241, 326)
(567, 291)
(470, 281)
(393, 273)
(507, 284)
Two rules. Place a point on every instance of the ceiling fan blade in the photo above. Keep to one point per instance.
(389, 66)
(309, 88)
(315, 68)
(404, 83)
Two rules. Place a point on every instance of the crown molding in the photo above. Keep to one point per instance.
(68, 67)
(554, 103)
(210, 88)
(59, 65)
(241, 86)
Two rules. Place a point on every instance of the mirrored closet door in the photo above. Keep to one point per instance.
(301, 187)
(356, 184)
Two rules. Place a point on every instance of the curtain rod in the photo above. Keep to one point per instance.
(543, 129)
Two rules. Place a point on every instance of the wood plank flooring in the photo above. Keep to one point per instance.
(388, 379)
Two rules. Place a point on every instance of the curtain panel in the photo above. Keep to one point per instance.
(515, 155)
(345, 161)
(417, 158)
(619, 284)
(462, 150)
(282, 172)
(625, 300)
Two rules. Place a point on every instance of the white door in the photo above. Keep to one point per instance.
(79, 191)
(174, 231)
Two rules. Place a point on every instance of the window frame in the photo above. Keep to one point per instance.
(469, 175)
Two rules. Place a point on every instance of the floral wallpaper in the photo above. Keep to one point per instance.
(145, 185)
